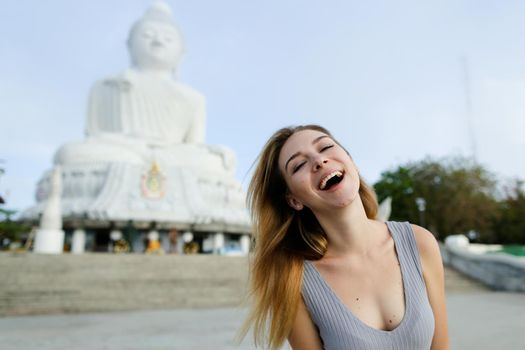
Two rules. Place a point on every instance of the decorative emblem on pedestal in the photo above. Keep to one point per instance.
(153, 183)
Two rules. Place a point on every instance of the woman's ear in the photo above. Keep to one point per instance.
(294, 202)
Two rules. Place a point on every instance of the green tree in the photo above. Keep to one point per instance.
(510, 223)
(399, 185)
(10, 229)
(459, 195)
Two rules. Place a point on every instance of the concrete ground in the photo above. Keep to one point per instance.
(486, 320)
(478, 319)
(151, 330)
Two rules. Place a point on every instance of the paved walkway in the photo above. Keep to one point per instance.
(148, 330)
(478, 319)
(486, 320)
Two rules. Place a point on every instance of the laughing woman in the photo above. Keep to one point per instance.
(325, 273)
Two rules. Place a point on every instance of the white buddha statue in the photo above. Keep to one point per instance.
(144, 157)
(145, 102)
(144, 112)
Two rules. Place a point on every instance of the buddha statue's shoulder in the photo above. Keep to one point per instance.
(130, 79)
(121, 82)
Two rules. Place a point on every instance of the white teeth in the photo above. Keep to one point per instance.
(328, 177)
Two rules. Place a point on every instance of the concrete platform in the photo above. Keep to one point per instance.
(486, 320)
(186, 303)
(477, 320)
(176, 329)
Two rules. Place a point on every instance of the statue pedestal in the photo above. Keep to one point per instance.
(180, 197)
(49, 241)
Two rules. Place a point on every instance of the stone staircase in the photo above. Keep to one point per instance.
(46, 284)
(456, 282)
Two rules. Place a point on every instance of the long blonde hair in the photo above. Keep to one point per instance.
(283, 239)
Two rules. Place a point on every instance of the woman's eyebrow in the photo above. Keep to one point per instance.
(317, 139)
(289, 160)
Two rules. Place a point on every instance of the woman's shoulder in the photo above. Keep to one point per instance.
(425, 240)
(429, 252)
(434, 277)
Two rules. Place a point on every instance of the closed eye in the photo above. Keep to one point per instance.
(296, 168)
(326, 147)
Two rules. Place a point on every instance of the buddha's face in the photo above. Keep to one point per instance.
(155, 45)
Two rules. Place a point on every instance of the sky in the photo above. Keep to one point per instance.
(388, 78)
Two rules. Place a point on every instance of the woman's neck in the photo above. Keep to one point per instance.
(348, 229)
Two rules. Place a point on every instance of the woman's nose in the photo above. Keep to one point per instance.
(319, 163)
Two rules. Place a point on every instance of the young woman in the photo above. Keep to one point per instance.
(325, 273)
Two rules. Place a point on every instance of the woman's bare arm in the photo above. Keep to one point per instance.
(304, 334)
(434, 276)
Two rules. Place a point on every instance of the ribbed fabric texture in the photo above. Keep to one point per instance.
(340, 329)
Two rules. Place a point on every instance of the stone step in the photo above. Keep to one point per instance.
(456, 282)
(43, 284)
(34, 284)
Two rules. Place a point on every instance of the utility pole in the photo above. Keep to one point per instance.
(468, 108)
(2, 171)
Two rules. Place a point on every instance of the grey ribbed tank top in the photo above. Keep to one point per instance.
(340, 329)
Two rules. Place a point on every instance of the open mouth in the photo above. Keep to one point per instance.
(331, 180)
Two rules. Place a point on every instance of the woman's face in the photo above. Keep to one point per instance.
(318, 172)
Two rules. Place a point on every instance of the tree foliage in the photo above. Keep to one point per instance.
(458, 192)
(9, 229)
(12, 230)
(510, 223)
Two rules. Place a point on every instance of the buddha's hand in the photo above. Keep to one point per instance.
(228, 157)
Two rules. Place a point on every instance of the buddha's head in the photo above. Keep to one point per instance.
(154, 40)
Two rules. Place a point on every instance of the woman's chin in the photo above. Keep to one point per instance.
(346, 200)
